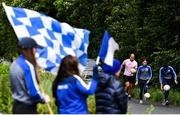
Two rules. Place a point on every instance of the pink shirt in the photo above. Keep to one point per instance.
(128, 66)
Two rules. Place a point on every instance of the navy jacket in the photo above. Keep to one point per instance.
(110, 96)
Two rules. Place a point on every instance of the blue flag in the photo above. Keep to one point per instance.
(58, 39)
(108, 47)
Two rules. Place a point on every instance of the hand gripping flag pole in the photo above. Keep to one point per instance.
(42, 90)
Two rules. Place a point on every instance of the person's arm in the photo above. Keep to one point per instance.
(137, 75)
(160, 78)
(174, 75)
(89, 88)
(150, 73)
(136, 66)
(32, 85)
(122, 66)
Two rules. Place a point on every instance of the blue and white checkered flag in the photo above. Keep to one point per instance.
(58, 39)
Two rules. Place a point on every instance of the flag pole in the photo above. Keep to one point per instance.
(97, 60)
(43, 92)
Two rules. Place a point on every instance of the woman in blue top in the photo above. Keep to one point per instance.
(69, 90)
(143, 76)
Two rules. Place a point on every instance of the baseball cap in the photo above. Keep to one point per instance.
(28, 43)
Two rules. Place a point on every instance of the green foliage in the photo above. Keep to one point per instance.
(5, 92)
(157, 95)
(46, 84)
(91, 104)
(147, 28)
(174, 97)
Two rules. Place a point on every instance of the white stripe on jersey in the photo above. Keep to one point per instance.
(87, 86)
(34, 77)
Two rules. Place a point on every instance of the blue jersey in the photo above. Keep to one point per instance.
(24, 84)
(72, 95)
(144, 72)
(167, 73)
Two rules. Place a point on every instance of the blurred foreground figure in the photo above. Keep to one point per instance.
(110, 95)
(24, 81)
(69, 89)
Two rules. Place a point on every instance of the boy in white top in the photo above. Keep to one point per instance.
(129, 78)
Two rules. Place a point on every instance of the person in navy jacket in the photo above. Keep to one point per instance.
(166, 77)
(143, 76)
(69, 89)
(110, 95)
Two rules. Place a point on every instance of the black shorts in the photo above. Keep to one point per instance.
(130, 79)
(167, 82)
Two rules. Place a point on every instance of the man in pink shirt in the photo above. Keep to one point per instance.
(129, 75)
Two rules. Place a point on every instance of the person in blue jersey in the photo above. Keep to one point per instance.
(143, 76)
(110, 95)
(23, 78)
(69, 89)
(167, 76)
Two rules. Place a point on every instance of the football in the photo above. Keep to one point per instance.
(133, 70)
(147, 95)
(166, 87)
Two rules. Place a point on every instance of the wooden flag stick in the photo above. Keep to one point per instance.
(42, 90)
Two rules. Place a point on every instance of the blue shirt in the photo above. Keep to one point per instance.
(72, 94)
(23, 80)
(167, 73)
(144, 72)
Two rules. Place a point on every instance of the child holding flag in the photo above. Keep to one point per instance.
(110, 95)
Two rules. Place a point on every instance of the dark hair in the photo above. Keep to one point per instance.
(144, 59)
(68, 67)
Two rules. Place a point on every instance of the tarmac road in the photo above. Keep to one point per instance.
(149, 108)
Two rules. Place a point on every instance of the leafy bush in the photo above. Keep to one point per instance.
(5, 92)
(46, 80)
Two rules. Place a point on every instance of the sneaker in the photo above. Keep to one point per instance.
(141, 102)
(129, 96)
(165, 103)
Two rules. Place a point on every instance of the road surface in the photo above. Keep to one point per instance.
(148, 108)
